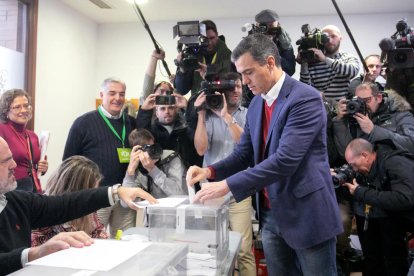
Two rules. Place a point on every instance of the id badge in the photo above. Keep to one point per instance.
(124, 154)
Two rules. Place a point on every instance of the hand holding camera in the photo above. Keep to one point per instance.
(341, 109)
(149, 102)
(364, 122)
(134, 160)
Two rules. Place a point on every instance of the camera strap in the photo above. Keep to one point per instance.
(167, 159)
(113, 129)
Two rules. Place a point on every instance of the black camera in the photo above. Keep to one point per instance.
(262, 28)
(311, 39)
(403, 55)
(193, 40)
(154, 150)
(164, 100)
(214, 101)
(356, 105)
(344, 174)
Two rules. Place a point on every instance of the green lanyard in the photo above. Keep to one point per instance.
(112, 128)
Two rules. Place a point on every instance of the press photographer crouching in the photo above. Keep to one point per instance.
(374, 116)
(383, 194)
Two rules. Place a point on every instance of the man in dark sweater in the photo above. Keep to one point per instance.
(101, 135)
(21, 211)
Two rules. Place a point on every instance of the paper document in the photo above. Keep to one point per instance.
(103, 255)
(43, 142)
(162, 202)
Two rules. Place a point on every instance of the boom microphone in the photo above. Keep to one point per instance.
(247, 27)
(386, 44)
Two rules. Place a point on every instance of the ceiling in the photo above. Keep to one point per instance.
(154, 10)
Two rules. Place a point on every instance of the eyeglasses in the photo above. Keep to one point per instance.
(19, 107)
(367, 99)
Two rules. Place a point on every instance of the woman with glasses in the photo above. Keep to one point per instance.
(15, 113)
(76, 173)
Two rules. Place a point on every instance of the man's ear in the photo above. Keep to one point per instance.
(271, 61)
(101, 94)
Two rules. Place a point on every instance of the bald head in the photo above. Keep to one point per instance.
(7, 166)
(359, 145)
(331, 28)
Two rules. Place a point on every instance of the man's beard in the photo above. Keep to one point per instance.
(331, 52)
(9, 188)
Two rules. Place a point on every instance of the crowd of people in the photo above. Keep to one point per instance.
(270, 140)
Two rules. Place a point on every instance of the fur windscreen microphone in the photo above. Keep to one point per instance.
(386, 44)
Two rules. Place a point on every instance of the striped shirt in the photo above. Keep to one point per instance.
(333, 76)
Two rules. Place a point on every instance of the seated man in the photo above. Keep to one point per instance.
(21, 211)
(159, 172)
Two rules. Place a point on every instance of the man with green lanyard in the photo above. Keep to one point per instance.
(102, 136)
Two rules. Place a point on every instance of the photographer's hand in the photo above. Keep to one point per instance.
(149, 102)
(146, 161)
(352, 187)
(319, 54)
(223, 113)
(134, 160)
(180, 100)
(202, 70)
(341, 109)
(200, 100)
(364, 122)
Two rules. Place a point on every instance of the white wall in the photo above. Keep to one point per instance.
(76, 54)
(66, 70)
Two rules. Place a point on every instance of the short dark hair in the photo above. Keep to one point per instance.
(371, 86)
(156, 85)
(232, 76)
(259, 46)
(140, 136)
(210, 25)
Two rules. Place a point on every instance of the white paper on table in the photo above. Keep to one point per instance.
(43, 142)
(103, 255)
(162, 202)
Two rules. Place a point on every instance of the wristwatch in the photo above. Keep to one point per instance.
(115, 195)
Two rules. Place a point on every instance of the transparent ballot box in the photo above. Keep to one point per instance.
(203, 227)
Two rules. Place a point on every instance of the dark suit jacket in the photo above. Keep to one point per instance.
(295, 170)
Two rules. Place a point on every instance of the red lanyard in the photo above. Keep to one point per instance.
(27, 146)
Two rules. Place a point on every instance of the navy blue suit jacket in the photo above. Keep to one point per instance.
(295, 169)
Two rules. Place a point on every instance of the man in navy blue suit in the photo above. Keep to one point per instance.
(281, 156)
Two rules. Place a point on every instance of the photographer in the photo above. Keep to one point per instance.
(217, 133)
(384, 119)
(159, 172)
(384, 204)
(169, 127)
(216, 54)
(374, 65)
(333, 70)
(282, 39)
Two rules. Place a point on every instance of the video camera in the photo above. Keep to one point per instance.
(344, 174)
(192, 40)
(311, 39)
(154, 151)
(214, 101)
(400, 51)
(356, 105)
(262, 28)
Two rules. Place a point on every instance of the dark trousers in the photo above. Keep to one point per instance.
(384, 247)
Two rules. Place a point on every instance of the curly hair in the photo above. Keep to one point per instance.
(6, 100)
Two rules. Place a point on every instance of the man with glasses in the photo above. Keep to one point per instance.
(388, 117)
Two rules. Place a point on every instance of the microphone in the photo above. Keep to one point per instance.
(247, 27)
(386, 44)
